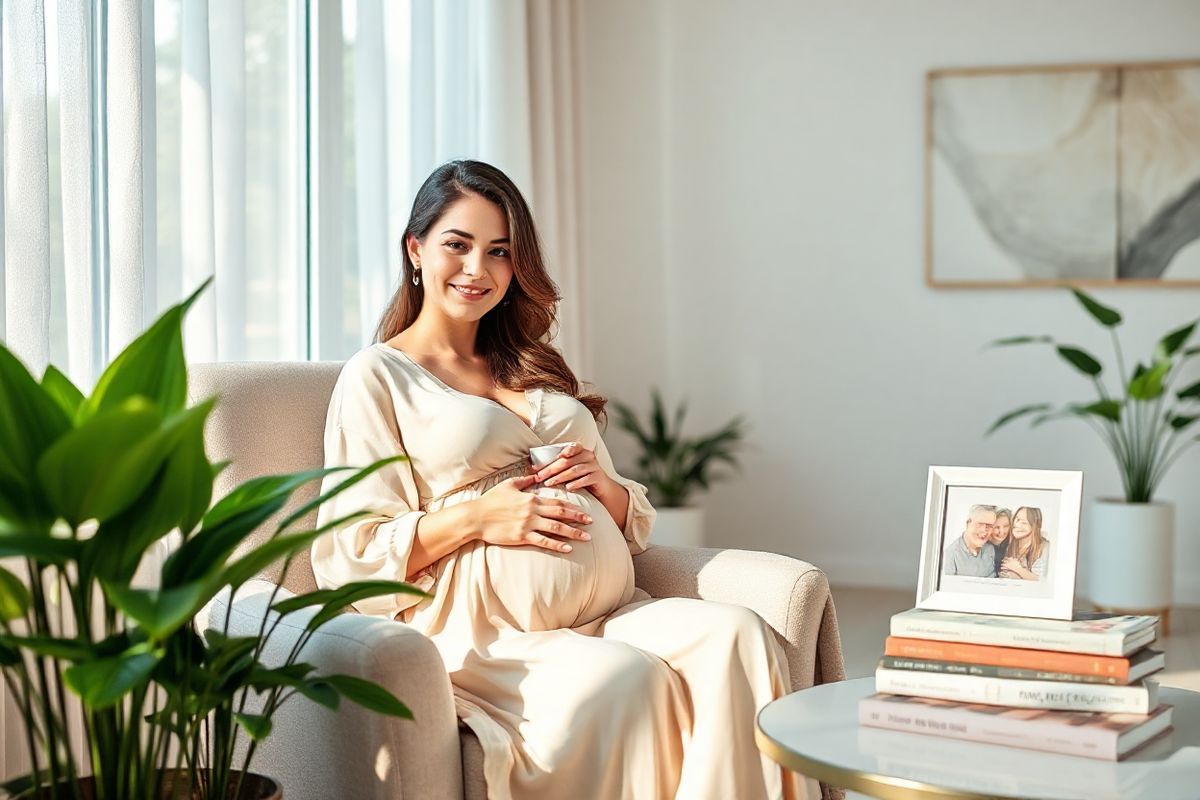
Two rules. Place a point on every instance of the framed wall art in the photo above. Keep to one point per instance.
(1081, 175)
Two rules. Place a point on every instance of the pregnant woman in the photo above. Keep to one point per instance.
(577, 684)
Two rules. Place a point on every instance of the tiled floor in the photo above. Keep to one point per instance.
(863, 616)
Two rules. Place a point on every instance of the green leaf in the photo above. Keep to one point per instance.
(1174, 340)
(65, 649)
(1015, 340)
(1180, 422)
(1081, 360)
(276, 549)
(1108, 409)
(1108, 317)
(336, 490)
(1147, 384)
(257, 726)
(159, 612)
(98, 469)
(42, 548)
(9, 656)
(368, 695)
(60, 389)
(230, 521)
(333, 601)
(1017, 414)
(103, 682)
(151, 366)
(261, 679)
(30, 422)
(1190, 393)
(176, 497)
(321, 693)
(14, 596)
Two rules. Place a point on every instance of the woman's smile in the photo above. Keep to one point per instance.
(470, 293)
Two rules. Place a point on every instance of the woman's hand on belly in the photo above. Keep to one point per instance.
(509, 516)
(576, 469)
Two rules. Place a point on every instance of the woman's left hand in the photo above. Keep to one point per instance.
(575, 468)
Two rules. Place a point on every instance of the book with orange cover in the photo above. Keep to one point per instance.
(1114, 669)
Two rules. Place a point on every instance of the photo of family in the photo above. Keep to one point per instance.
(1000, 541)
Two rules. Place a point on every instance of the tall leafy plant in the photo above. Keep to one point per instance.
(671, 465)
(89, 486)
(1145, 422)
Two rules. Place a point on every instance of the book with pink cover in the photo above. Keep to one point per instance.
(1079, 733)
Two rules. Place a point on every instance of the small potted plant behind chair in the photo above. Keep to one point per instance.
(1146, 425)
(673, 467)
(90, 485)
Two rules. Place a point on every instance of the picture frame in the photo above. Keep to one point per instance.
(1062, 175)
(966, 566)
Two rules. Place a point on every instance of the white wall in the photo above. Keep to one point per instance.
(753, 179)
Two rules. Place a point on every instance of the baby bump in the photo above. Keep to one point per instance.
(540, 589)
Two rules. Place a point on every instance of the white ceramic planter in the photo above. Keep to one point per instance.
(678, 527)
(1130, 554)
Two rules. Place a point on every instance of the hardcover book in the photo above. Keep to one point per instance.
(1095, 633)
(1088, 734)
(1012, 662)
(1136, 699)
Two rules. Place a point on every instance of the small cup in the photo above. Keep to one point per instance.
(541, 456)
(546, 454)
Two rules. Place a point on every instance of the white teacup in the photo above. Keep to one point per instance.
(546, 454)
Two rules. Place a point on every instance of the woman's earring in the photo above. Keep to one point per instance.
(416, 277)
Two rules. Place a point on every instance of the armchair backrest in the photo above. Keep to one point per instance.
(269, 419)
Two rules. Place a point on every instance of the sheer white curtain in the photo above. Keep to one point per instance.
(274, 145)
(441, 79)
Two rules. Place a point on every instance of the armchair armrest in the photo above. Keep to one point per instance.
(316, 753)
(792, 596)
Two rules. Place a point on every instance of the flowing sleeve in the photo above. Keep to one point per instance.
(360, 430)
(639, 514)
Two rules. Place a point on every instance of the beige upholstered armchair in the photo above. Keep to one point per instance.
(271, 419)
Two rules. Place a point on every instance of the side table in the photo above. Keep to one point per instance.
(816, 733)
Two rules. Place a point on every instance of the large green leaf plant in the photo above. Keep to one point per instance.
(673, 466)
(1146, 423)
(89, 486)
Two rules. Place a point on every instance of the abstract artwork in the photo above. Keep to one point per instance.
(1088, 175)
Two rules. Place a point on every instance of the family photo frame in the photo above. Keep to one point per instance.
(1001, 541)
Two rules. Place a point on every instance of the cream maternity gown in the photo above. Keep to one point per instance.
(576, 683)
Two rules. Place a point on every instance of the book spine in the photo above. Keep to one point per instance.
(960, 724)
(989, 670)
(1094, 642)
(1019, 694)
(1108, 667)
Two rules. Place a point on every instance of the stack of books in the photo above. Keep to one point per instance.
(1078, 687)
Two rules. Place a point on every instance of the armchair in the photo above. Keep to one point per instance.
(271, 419)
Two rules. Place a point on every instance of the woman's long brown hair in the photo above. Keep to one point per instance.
(1031, 552)
(514, 337)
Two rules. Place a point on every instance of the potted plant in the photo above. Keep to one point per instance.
(89, 486)
(1146, 424)
(673, 467)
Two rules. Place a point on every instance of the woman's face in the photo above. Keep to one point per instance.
(1020, 525)
(1000, 532)
(466, 259)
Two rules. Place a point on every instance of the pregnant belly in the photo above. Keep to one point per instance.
(538, 589)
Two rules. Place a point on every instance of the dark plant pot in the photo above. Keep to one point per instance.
(255, 787)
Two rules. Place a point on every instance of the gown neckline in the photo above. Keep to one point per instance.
(531, 425)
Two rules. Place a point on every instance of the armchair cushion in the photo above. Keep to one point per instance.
(316, 753)
(791, 595)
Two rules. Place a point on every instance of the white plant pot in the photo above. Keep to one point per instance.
(678, 527)
(1130, 554)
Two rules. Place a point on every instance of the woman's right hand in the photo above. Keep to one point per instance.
(511, 516)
